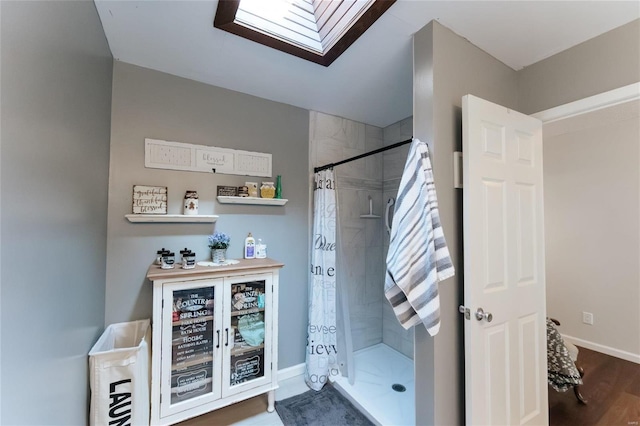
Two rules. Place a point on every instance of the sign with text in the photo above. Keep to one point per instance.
(149, 199)
(247, 366)
(159, 154)
(192, 343)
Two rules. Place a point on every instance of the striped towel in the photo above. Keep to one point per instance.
(418, 256)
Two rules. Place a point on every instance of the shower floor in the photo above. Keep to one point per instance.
(377, 368)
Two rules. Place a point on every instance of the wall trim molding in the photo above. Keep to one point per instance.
(629, 356)
(592, 103)
(291, 372)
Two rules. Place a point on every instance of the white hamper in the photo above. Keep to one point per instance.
(119, 372)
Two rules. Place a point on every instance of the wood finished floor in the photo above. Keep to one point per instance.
(251, 412)
(611, 388)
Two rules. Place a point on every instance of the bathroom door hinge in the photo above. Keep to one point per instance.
(457, 170)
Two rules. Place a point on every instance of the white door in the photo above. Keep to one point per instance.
(505, 350)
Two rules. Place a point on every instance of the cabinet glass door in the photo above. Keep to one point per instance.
(248, 355)
(191, 335)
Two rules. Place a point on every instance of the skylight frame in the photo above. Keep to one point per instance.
(225, 20)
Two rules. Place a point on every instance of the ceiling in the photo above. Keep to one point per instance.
(372, 81)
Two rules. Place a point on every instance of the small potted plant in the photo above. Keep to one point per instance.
(218, 243)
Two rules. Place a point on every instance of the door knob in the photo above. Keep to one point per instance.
(481, 314)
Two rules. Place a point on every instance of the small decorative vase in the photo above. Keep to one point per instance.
(219, 255)
(279, 187)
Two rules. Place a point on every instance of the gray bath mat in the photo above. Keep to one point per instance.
(325, 408)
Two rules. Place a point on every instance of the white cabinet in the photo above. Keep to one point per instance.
(214, 337)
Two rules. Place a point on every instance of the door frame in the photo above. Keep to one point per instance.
(610, 98)
(602, 100)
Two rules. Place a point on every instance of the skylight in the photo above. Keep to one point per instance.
(290, 21)
(316, 30)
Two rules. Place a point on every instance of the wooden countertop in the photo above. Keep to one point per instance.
(156, 273)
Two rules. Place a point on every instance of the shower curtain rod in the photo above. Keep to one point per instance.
(366, 154)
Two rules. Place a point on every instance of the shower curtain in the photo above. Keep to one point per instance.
(322, 337)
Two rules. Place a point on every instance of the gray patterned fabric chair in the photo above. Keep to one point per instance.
(562, 380)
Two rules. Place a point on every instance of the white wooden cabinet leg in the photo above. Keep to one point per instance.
(271, 401)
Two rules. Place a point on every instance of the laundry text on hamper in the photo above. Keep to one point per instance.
(120, 405)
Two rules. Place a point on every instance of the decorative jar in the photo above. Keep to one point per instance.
(252, 187)
(191, 203)
(168, 259)
(188, 259)
(267, 190)
(219, 255)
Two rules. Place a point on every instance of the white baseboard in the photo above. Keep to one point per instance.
(291, 382)
(291, 372)
(629, 356)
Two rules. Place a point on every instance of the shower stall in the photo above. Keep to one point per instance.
(381, 382)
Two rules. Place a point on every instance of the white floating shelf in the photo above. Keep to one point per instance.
(226, 199)
(171, 218)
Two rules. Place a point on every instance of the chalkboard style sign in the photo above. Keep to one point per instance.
(228, 191)
(248, 331)
(247, 297)
(192, 343)
(247, 366)
(149, 199)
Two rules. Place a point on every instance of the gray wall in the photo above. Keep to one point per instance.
(607, 62)
(447, 67)
(393, 334)
(424, 359)
(592, 212)
(56, 93)
(151, 104)
(333, 139)
(603, 63)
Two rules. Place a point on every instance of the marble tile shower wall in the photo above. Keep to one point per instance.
(333, 139)
(393, 165)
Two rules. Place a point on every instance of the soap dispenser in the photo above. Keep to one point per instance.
(250, 247)
(261, 249)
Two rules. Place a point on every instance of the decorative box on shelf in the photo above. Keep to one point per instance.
(224, 199)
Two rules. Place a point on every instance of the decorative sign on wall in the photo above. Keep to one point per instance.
(159, 154)
(149, 199)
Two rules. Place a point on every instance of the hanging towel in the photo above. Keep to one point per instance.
(418, 256)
